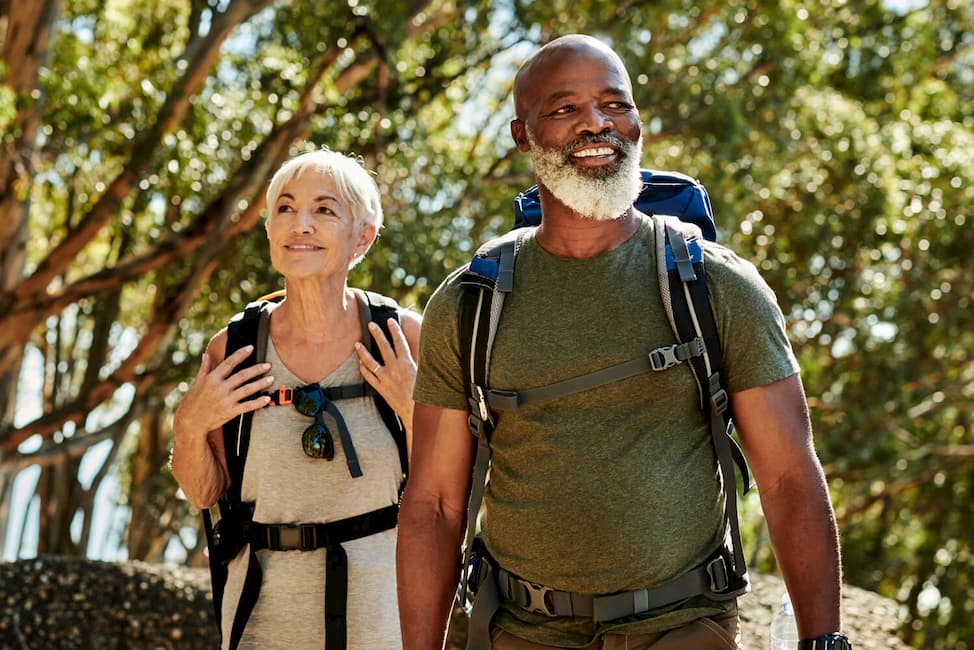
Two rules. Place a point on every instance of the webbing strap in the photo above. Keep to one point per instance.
(485, 605)
(336, 596)
(306, 537)
(510, 400)
(681, 254)
(475, 498)
(351, 457)
(711, 579)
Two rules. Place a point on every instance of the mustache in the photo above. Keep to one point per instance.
(587, 140)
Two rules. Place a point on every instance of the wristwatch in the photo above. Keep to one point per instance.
(834, 641)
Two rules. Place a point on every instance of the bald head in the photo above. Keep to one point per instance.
(560, 52)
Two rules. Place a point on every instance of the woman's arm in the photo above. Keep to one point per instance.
(216, 395)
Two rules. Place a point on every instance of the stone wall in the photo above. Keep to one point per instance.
(62, 603)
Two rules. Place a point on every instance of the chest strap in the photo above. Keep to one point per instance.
(284, 394)
(308, 537)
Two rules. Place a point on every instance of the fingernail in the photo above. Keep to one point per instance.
(373, 326)
(265, 366)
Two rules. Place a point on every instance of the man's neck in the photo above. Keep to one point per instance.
(564, 233)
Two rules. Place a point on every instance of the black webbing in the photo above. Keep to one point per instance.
(329, 536)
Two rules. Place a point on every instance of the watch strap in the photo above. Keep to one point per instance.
(834, 641)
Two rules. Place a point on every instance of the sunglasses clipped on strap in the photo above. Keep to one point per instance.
(314, 401)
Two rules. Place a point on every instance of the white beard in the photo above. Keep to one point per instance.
(604, 194)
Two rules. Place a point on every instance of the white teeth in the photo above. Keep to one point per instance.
(599, 151)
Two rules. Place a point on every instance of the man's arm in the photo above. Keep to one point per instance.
(431, 524)
(773, 424)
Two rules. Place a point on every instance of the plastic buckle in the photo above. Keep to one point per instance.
(719, 578)
(537, 598)
(663, 358)
(303, 537)
(285, 395)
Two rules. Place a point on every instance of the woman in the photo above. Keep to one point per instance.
(319, 452)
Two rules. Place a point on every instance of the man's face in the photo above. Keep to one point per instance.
(581, 127)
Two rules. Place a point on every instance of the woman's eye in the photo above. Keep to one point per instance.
(283, 208)
(325, 210)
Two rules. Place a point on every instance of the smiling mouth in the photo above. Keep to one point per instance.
(591, 152)
(301, 248)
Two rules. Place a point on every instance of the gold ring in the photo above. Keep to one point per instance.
(376, 369)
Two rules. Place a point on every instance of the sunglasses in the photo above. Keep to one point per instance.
(314, 401)
(316, 440)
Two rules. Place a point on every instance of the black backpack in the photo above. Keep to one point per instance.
(227, 523)
(683, 215)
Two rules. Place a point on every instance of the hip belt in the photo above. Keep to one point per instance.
(713, 579)
(308, 537)
(710, 578)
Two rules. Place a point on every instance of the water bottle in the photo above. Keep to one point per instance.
(784, 628)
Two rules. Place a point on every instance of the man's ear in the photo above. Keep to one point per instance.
(520, 135)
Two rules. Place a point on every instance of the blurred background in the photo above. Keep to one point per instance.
(836, 139)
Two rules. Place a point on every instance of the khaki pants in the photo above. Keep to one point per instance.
(718, 633)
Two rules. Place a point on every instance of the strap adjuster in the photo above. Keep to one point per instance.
(480, 397)
(719, 401)
(719, 576)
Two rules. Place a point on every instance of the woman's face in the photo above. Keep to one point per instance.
(311, 229)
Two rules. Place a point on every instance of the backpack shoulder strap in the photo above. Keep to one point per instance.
(378, 309)
(485, 283)
(249, 327)
(224, 526)
(686, 300)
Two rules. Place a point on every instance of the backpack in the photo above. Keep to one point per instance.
(681, 210)
(228, 525)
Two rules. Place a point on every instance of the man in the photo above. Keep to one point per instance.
(613, 489)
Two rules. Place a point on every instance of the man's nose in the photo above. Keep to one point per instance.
(592, 120)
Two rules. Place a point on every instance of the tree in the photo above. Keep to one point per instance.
(835, 139)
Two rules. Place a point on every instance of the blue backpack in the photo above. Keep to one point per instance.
(682, 214)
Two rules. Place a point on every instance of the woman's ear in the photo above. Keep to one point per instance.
(367, 234)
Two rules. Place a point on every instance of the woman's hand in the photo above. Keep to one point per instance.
(395, 379)
(218, 395)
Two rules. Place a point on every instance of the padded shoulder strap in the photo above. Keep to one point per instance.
(378, 309)
(246, 328)
(686, 299)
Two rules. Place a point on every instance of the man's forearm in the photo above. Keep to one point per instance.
(427, 570)
(805, 539)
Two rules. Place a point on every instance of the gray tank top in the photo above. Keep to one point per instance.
(288, 487)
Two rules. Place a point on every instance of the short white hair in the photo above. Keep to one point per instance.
(355, 184)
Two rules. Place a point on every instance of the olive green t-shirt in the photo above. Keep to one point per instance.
(614, 488)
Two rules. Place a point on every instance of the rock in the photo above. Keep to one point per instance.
(68, 603)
